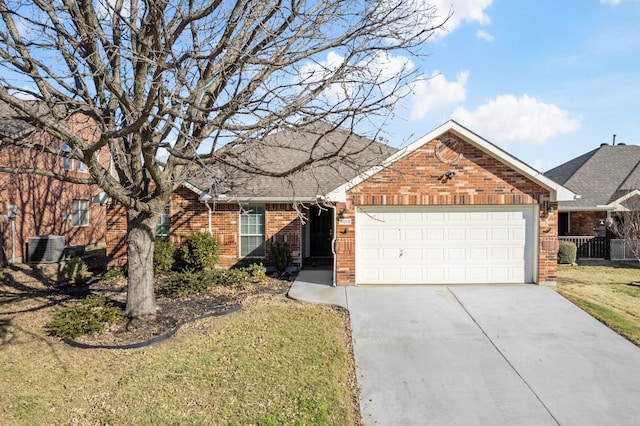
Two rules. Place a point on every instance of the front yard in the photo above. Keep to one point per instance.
(274, 362)
(604, 292)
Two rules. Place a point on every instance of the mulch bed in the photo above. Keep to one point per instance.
(45, 284)
(173, 311)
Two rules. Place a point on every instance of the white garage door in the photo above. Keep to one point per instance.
(444, 245)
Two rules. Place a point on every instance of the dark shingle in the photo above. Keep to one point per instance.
(600, 176)
(288, 149)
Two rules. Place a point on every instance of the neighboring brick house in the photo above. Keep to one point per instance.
(605, 178)
(45, 206)
(449, 208)
(608, 182)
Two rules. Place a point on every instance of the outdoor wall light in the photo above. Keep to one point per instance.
(447, 175)
(550, 211)
(344, 212)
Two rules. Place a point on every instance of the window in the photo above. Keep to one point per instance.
(162, 228)
(80, 213)
(81, 166)
(67, 163)
(252, 232)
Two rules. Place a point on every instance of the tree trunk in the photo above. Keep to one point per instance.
(141, 299)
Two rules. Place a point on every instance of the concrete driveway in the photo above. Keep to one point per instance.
(488, 355)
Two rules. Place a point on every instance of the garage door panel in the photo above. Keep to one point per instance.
(478, 254)
(456, 254)
(413, 275)
(390, 254)
(456, 234)
(478, 234)
(444, 244)
(478, 274)
(434, 234)
(391, 274)
(499, 234)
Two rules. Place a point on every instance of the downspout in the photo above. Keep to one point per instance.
(334, 236)
(206, 203)
(13, 242)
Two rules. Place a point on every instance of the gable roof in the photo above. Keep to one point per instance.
(557, 191)
(603, 177)
(11, 123)
(282, 151)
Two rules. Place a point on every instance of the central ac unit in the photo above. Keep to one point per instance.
(45, 248)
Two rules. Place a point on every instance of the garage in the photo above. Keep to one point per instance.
(445, 244)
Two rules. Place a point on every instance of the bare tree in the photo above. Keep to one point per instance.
(182, 78)
(625, 223)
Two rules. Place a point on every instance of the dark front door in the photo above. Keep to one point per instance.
(320, 231)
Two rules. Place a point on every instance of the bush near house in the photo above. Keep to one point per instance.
(567, 252)
(200, 251)
(86, 317)
(189, 282)
(163, 256)
(76, 270)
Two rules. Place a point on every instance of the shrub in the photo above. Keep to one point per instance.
(163, 256)
(185, 283)
(233, 278)
(257, 271)
(567, 252)
(88, 317)
(113, 273)
(200, 251)
(76, 270)
(279, 255)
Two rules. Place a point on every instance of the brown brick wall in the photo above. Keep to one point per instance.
(418, 179)
(189, 215)
(587, 223)
(46, 203)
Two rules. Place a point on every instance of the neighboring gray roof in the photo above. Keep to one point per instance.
(600, 176)
(11, 123)
(287, 149)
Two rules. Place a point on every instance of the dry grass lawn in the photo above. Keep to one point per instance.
(604, 292)
(274, 362)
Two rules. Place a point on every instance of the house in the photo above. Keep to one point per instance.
(34, 208)
(608, 181)
(605, 178)
(449, 208)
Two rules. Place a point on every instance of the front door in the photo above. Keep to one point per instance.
(320, 231)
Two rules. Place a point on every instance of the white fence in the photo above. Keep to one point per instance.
(620, 250)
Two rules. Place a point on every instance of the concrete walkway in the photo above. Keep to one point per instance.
(483, 355)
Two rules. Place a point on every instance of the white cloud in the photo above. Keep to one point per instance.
(484, 35)
(379, 70)
(437, 92)
(463, 11)
(507, 119)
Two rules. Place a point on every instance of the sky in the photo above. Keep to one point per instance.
(546, 80)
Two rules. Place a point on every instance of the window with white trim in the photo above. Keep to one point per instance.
(252, 232)
(81, 166)
(164, 221)
(67, 163)
(80, 213)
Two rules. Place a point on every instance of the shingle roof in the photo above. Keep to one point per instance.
(287, 149)
(11, 124)
(600, 176)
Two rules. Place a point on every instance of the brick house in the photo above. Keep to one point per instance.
(45, 206)
(605, 178)
(449, 208)
(608, 181)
